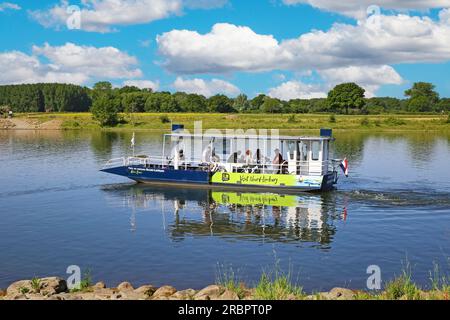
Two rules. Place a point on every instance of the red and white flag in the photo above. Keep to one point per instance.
(344, 166)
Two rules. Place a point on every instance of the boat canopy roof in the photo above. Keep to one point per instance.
(250, 137)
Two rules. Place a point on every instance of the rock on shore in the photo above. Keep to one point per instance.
(55, 288)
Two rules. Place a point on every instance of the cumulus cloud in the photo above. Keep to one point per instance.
(360, 53)
(227, 48)
(206, 88)
(358, 8)
(108, 62)
(8, 5)
(104, 15)
(28, 69)
(371, 77)
(69, 63)
(297, 90)
(142, 84)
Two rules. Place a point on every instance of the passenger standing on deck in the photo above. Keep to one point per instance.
(248, 160)
(277, 161)
(207, 154)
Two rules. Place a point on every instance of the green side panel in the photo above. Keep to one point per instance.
(252, 199)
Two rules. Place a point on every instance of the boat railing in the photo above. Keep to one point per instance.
(264, 167)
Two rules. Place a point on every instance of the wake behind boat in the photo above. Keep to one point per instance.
(236, 161)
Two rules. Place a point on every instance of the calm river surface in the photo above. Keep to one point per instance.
(57, 209)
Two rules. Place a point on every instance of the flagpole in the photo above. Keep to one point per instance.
(133, 142)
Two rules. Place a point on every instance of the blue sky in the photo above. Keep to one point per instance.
(284, 48)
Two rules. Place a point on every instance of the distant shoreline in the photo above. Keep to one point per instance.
(284, 122)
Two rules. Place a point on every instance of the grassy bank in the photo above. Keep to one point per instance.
(278, 285)
(156, 121)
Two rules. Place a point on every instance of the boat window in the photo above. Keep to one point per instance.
(304, 150)
(292, 149)
(315, 150)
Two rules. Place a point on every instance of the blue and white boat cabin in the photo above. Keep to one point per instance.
(236, 161)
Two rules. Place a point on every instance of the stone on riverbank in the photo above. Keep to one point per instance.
(212, 292)
(146, 290)
(184, 294)
(125, 286)
(164, 291)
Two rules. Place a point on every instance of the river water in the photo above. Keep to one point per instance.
(57, 209)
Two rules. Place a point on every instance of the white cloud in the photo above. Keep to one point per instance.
(28, 69)
(8, 5)
(358, 8)
(297, 90)
(142, 84)
(360, 53)
(103, 15)
(106, 62)
(68, 64)
(206, 88)
(226, 48)
(371, 78)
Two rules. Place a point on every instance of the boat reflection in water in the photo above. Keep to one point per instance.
(268, 217)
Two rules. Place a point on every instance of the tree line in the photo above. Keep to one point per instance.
(45, 97)
(103, 99)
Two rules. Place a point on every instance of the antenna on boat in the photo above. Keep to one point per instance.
(133, 142)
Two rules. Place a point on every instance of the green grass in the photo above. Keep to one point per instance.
(277, 287)
(85, 283)
(36, 284)
(276, 284)
(229, 279)
(286, 122)
(402, 287)
(24, 290)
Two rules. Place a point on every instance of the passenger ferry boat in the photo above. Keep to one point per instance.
(237, 162)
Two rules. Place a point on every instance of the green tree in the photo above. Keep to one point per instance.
(104, 111)
(257, 102)
(241, 103)
(271, 105)
(443, 105)
(346, 96)
(422, 97)
(220, 103)
(101, 88)
(134, 101)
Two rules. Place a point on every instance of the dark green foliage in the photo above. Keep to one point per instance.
(45, 97)
(242, 104)
(382, 105)
(221, 104)
(271, 105)
(422, 97)
(346, 96)
(443, 105)
(134, 101)
(104, 111)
